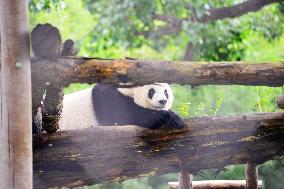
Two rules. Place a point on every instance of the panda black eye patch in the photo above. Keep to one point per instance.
(166, 93)
(151, 93)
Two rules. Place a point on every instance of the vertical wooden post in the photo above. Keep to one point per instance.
(15, 128)
(184, 178)
(251, 176)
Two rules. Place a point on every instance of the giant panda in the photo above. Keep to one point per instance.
(146, 106)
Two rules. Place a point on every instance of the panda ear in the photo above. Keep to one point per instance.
(127, 92)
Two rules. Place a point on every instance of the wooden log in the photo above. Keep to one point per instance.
(251, 176)
(46, 41)
(52, 108)
(91, 70)
(68, 48)
(185, 180)
(15, 129)
(184, 177)
(52, 104)
(280, 101)
(216, 184)
(117, 153)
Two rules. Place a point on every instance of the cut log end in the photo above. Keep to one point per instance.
(68, 48)
(280, 101)
(46, 41)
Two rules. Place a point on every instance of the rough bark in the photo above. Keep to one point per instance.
(91, 70)
(15, 130)
(216, 184)
(251, 176)
(100, 154)
(46, 44)
(52, 108)
(68, 48)
(185, 180)
(52, 104)
(189, 52)
(79, 70)
(280, 101)
(46, 41)
(184, 177)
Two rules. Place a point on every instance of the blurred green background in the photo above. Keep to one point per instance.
(172, 30)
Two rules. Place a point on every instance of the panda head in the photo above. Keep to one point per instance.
(157, 96)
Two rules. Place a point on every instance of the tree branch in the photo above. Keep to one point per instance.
(117, 153)
(236, 10)
(174, 25)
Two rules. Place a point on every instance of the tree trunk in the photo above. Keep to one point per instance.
(96, 155)
(189, 51)
(15, 130)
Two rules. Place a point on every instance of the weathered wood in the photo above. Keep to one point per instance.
(216, 184)
(100, 154)
(91, 70)
(251, 175)
(46, 44)
(280, 101)
(46, 41)
(52, 108)
(185, 180)
(15, 130)
(68, 48)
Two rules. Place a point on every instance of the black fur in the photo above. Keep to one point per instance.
(113, 108)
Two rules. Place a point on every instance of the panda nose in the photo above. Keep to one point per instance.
(163, 102)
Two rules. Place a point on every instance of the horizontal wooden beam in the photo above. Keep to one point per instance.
(117, 153)
(92, 70)
(216, 184)
(65, 70)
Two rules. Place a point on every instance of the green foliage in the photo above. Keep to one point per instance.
(266, 97)
(76, 87)
(41, 5)
(259, 48)
(272, 173)
(232, 172)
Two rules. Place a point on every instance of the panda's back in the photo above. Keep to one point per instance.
(77, 112)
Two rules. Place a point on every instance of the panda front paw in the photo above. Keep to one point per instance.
(173, 120)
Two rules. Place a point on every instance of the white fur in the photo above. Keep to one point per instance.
(140, 95)
(77, 112)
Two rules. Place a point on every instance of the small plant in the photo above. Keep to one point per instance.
(219, 100)
(183, 109)
(201, 109)
(265, 98)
